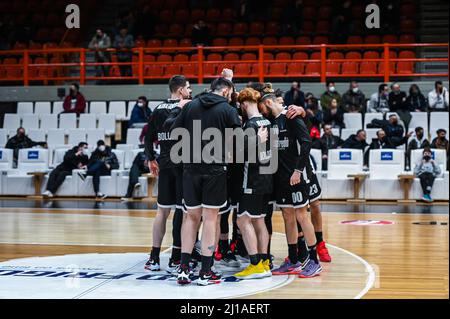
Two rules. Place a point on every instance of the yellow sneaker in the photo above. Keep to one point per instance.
(252, 272)
(266, 265)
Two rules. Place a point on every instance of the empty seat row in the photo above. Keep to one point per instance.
(66, 122)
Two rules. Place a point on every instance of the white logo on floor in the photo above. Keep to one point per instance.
(92, 276)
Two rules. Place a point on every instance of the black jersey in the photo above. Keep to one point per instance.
(294, 145)
(158, 132)
(254, 182)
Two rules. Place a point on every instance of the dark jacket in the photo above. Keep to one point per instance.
(80, 104)
(353, 143)
(353, 102)
(438, 144)
(378, 144)
(71, 160)
(108, 157)
(16, 143)
(210, 111)
(335, 120)
(139, 115)
(396, 101)
(416, 102)
(291, 99)
(319, 144)
(332, 142)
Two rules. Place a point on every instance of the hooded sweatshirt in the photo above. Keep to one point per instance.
(207, 111)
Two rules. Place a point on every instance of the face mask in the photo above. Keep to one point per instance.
(355, 90)
(85, 151)
(140, 104)
(102, 148)
(332, 89)
(427, 157)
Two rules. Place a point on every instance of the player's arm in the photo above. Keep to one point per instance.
(300, 132)
(150, 137)
(173, 115)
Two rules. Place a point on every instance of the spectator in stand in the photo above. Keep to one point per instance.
(397, 99)
(419, 141)
(295, 96)
(124, 42)
(140, 113)
(317, 142)
(76, 158)
(393, 129)
(382, 141)
(356, 141)
(101, 163)
(313, 114)
(21, 141)
(440, 142)
(100, 42)
(200, 33)
(427, 170)
(139, 167)
(331, 141)
(75, 101)
(353, 100)
(416, 102)
(379, 102)
(438, 98)
(334, 116)
(328, 95)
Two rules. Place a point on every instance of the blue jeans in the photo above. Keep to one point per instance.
(96, 170)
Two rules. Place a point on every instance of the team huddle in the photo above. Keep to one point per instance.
(209, 185)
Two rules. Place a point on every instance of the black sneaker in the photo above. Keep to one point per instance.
(209, 278)
(173, 266)
(229, 260)
(183, 277)
(152, 265)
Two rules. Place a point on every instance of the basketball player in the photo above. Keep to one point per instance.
(291, 186)
(256, 190)
(170, 186)
(204, 177)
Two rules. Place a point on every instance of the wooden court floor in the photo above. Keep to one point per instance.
(407, 259)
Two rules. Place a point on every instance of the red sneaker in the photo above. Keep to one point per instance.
(217, 254)
(322, 251)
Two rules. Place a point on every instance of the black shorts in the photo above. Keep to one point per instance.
(288, 196)
(254, 206)
(315, 192)
(235, 180)
(205, 187)
(170, 188)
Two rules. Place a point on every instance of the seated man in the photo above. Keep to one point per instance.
(76, 158)
(101, 163)
(75, 101)
(21, 141)
(427, 170)
(357, 141)
(140, 166)
(140, 114)
(393, 130)
(418, 142)
(382, 141)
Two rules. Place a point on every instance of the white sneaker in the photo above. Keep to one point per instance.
(101, 195)
(126, 199)
(47, 194)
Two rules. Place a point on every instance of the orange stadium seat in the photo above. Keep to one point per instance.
(390, 38)
(278, 69)
(197, 14)
(371, 55)
(270, 41)
(405, 67)
(286, 41)
(353, 55)
(185, 42)
(182, 16)
(372, 39)
(249, 57)
(268, 56)
(172, 69)
(368, 68)
(114, 71)
(214, 57)
(139, 43)
(407, 26)
(189, 70)
(220, 42)
(335, 55)
(312, 69)
(170, 43)
(391, 67)
(300, 56)
(252, 41)
(166, 16)
(180, 57)
(154, 43)
(315, 56)
(350, 68)
(210, 69)
(407, 38)
(164, 58)
(213, 15)
(175, 30)
(256, 28)
(320, 40)
(236, 42)
(272, 28)
(308, 26)
(303, 40)
(242, 69)
(231, 57)
(154, 70)
(224, 29)
(240, 28)
(283, 56)
(354, 39)
(333, 68)
(149, 58)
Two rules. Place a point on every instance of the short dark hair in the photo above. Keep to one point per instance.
(142, 98)
(426, 149)
(82, 144)
(278, 93)
(437, 83)
(417, 129)
(220, 84)
(359, 131)
(76, 85)
(100, 143)
(257, 86)
(381, 87)
(176, 82)
(329, 82)
(20, 128)
(441, 130)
